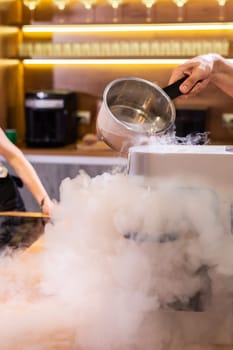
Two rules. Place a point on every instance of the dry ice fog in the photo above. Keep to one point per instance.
(124, 265)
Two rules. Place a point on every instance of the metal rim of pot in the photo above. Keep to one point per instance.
(115, 130)
(146, 82)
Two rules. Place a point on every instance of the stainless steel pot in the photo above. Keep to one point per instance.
(133, 109)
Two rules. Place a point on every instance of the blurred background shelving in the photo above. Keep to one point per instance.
(82, 48)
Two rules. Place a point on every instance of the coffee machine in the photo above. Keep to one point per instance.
(50, 118)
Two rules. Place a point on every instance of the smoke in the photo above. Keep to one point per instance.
(124, 266)
(170, 138)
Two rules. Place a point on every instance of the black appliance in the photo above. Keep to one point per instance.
(50, 118)
(192, 122)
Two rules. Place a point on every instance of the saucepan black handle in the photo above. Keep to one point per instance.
(173, 90)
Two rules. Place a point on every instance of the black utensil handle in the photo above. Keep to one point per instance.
(173, 90)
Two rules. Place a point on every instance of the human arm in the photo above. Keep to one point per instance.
(202, 70)
(23, 168)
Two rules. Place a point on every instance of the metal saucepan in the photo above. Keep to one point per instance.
(133, 108)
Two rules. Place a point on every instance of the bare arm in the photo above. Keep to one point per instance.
(201, 71)
(25, 171)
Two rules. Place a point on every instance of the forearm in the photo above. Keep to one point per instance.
(202, 70)
(222, 74)
(28, 175)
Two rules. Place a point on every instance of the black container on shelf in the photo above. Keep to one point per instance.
(50, 118)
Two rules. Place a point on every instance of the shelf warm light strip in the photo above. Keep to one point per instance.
(8, 30)
(8, 62)
(96, 61)
(126, 27)
(100, 61)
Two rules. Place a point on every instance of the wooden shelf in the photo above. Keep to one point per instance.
(164, 11)
(141, 41)
(99, 149)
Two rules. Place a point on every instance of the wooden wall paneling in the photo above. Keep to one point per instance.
(1, 46)
(10, 12)
(10, 96)
(38, 77)
(3, 98)
(20, 120)
(9, 45)
(13, 81)
(43, 12)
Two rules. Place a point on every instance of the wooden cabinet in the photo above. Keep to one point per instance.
(72, 50)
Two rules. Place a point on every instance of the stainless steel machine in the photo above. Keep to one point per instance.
(198, 179)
